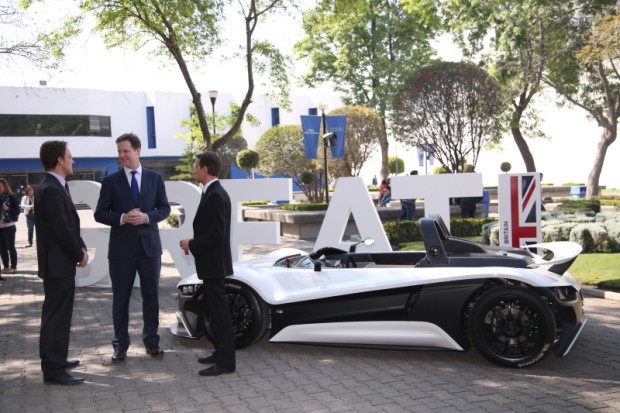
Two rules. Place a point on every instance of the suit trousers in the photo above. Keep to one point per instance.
(123, 276)
(221, 322)
(56, 317)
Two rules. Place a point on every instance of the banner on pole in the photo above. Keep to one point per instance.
(338, 125)
(311, 127)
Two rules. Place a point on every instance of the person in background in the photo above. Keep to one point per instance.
(382, 191)
(60, 249)
(132, 201)
(387, 197)
(211, 250)
(407, 206)
(9, 212)
(27, 205)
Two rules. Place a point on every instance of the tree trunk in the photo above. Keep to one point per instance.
(607, 138)
(385, 145)
(526, 154)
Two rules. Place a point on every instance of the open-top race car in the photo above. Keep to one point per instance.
(513, 306)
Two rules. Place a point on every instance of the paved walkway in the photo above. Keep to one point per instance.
(284, 377)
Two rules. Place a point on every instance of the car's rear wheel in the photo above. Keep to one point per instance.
(249, 313)
(512, 326)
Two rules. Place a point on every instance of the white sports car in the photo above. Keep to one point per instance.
(513, 306)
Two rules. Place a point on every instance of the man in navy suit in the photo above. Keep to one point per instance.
(132, 202)
(60, 249)
(211, 250)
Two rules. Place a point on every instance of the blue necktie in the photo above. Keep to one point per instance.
(135, 191)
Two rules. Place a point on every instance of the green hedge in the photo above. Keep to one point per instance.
(409, 231)
(253, 203)
(304, 207)
(574, 205)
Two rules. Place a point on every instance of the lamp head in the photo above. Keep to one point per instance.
(330, 139)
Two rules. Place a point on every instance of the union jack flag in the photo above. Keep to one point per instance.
(521, 221)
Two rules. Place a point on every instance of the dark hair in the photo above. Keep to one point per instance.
(34, 190)
(132, 138)
(212, 161)
(50, 152)
(5, 187)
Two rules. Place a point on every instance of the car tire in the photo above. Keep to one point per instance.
(249, 314)
(511, 326)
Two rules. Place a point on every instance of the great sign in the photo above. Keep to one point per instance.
(350, 198)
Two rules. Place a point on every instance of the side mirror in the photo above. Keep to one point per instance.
(317, 266)
(367, 241)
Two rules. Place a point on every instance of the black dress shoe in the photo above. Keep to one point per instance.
(215, 370)
(155, 351)
(119, 356)
(63, 379)
(69, 364)
(210, 359)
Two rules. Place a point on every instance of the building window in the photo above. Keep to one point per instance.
(150, 127)
(54, 125)
(313, 112)
(275, 116)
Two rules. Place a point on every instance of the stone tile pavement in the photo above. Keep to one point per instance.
(284, 377)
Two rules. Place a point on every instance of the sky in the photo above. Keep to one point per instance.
(566, 157)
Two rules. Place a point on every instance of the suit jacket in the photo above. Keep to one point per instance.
(115, 200)
(57, 224)
(211, 243)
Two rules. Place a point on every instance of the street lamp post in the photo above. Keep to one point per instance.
(213, 97)
(322, 107)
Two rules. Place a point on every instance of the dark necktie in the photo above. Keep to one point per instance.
(135, 191)
(67, 188)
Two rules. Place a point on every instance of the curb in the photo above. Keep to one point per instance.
(601, 293)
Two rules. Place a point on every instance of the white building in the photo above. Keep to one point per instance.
(90, 121)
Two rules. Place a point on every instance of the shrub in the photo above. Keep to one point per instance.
(304, 207)
(592, 238)
(173, 220)
(252, 203)
(574, 205)
(408, 231)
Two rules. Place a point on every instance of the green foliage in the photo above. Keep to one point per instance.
(366, 49)
(595, 233)
(254, 203)
(452, 107)
(173, 220)
(408, 231)
(247, 159)
(574, 205)
(304, 207)
(186, 167)
(307, 177)
(362, 135)
(505, 167)
(281, 151)
(396, 165)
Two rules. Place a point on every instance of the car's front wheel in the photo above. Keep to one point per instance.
(512, 326)
(249, 313)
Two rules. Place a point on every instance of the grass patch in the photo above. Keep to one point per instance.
(592, 270)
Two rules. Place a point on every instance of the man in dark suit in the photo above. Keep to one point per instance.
(211, 250)
(59, 250)
(132, 202)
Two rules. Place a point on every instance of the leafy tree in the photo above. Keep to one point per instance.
(281, 151)
(453, 106)
(366, 48)
(516, 40)
(228, 152)
(247, 159)
(589, 76)
(188, 31)
(361, 140)
(396, 164)
(20, 40)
